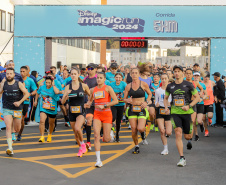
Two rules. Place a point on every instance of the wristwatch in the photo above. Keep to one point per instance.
(105, 106)
(147, 102)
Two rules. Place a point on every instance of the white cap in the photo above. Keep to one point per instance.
(196, 74)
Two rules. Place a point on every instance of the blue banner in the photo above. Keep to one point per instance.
(120, 21)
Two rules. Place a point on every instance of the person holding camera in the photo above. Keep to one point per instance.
(219, 96)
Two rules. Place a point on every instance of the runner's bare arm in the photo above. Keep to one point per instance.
(86, 89)
(126, 99)
(88, 104)
(65, 96)
(199, 86)
(113, 96)
(146, 88)
(166, 103)
(2, 85)
(196, 99)
(25, 92)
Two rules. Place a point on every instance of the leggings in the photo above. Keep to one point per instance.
(117, 114)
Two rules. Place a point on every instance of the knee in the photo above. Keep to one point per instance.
(96, 136)
(77, 129)
(168, 133)
(162, 131)
(178, 133)
(17, 129)
(89, 122)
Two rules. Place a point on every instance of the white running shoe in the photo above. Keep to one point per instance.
(144, 142)
(9, 152)
(129, 127)
(165, 152)
(98, 164)
(112, 136)
(182, 162)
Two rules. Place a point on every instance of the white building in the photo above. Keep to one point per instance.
(153, 53)
(189, 55)
(125, 58)
(6, 31)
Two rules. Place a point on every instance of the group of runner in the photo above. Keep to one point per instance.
(166, 98)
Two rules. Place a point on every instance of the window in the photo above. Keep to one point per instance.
(97, 47)
(10, 25)
(71, 42)
(80, 43)
(62, 41)
(2, 20)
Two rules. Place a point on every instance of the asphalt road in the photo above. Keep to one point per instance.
(56, 163)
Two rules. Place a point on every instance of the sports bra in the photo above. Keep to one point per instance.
(139, 93)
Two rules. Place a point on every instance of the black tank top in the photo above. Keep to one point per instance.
(76, 97)
(139, 93)
(11, 94)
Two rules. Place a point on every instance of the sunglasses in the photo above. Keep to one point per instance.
(114, 68)
(90, 68)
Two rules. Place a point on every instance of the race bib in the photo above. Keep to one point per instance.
(136, 108)
(75, 109)
(207, 98)
(179, 102)
(17, 114)
(46, 106)
(162, 111)
(99, 95)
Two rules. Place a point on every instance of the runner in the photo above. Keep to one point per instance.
(155, 85)
(137, 111)
(76, 94)
(181, 109)
(208, 102)
(162, 118)
(31, 87)
(188, 77)
(199, 106)
(110, 76)
(117, 110)
(47, 97)
(91, 81)
(102, 95)
(144, 70)
(14, 94)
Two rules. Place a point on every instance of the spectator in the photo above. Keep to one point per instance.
(60, 72)
(219, 96)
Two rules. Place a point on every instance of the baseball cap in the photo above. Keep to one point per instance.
(178, 67)
(196, 74)
(207, 74)
(196, 64)
(91, 65)
(2, 68)
(8, 62)
(114, 65)
(216, 74)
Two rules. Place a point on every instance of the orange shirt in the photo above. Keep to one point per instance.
(101, 97)
(210, 98)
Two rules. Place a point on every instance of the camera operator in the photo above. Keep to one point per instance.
(219, 96)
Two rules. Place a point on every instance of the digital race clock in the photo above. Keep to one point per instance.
(133, 44)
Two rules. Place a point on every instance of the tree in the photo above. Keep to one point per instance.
(171, 52)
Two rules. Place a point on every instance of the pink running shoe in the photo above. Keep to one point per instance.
(79, 154)
(84, 149)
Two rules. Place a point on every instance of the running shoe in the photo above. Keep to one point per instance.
(136, 150)
(88, 146)
(144, 142)
(189, 145)
(152, 127)
(206, 133)
(13, 137)
(42, 139)
(117, 139)
(182, 162)
(201, 128)
(112, 136)
(19, 138)
(156, 129)
(98, 164)
(165, 152)
(196, 138)
(129, 127)
(49, 139)
(79, 154)
(9, 152)
(113, 128)
(84, 149)
(67, 124)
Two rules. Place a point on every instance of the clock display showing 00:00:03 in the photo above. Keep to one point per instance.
(133, 44)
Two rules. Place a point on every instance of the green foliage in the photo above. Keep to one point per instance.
(171, 52)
